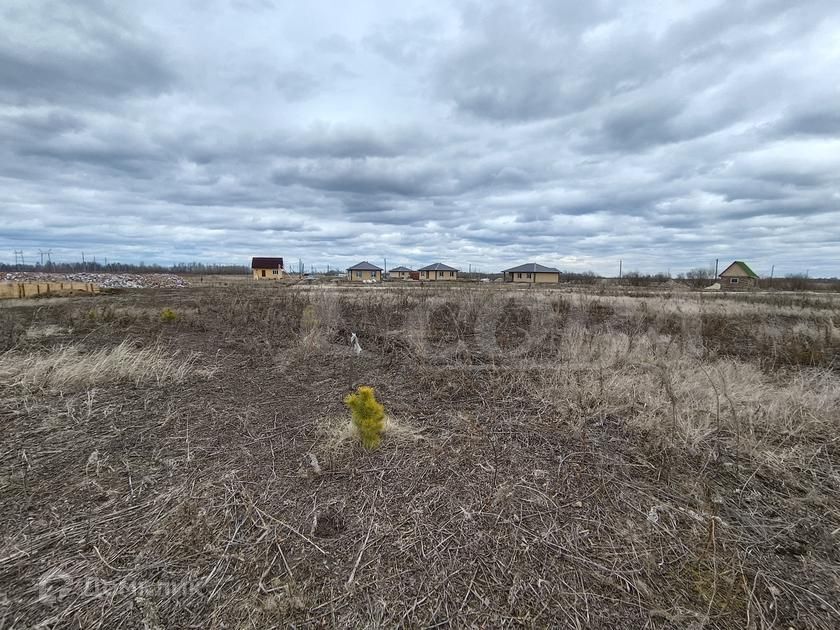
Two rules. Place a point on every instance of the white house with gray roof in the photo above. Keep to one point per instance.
(532, 273)
(400, 273)
(364, 271)
(438, 271)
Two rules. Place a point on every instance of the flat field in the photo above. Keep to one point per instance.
(552, 457)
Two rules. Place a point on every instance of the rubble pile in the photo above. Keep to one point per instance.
(104, 280)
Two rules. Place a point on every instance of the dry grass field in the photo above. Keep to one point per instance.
(559, 458)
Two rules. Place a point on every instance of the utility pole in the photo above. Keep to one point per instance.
(620, 262)
(385, 263)
(716, 267)
(772, 269)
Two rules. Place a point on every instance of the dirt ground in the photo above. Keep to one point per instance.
(183, 459)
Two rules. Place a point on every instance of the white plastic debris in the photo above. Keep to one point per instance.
(354, 343)
(104, 280)
(313, 461)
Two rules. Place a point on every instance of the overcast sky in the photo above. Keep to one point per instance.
(570, 133)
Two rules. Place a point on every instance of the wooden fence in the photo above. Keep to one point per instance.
(36, 289)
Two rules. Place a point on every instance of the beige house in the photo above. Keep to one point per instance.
(364, 271)
(738, 275)
(532, 273)
(438, 271)
(266, 268)
(401, 273)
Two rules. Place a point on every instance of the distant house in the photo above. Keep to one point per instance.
(364, 271)
(738, 275)
(401, 273)
(438, 271)
(266, 268)
(531, 273)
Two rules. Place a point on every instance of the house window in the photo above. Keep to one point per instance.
(518, 275)
(733, 280)
(372, 274)
(273, 272)
(528, 275)
(263, 272)
(451, 274)
(358, 274)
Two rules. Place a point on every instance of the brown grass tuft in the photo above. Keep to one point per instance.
(71, 367)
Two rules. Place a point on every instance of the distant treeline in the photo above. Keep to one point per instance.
(700, 278)
(95, 267)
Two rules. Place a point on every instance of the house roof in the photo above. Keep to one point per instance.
(364, 266)
(744, 266)
(438, 267)
(531, 268)
(266, 262)
(401, 269)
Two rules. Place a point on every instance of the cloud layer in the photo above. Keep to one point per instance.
(477, 133)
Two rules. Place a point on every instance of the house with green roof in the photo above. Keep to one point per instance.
(738, 275)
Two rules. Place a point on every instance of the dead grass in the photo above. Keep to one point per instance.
(340, 434)
(552, 459)
(72, 367)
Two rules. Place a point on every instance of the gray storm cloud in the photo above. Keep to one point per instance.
(490, 134)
